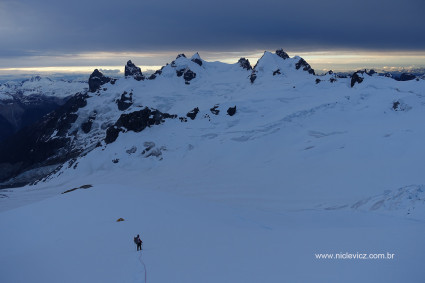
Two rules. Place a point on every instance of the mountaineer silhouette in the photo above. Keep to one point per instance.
(138, 242)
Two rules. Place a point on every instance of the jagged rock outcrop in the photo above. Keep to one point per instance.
(214, 110)
(97, 79)
(231, 111)
(157, 73)
(370, 72)
(277, 72)
(253, 76)
(244, 63)
(132, 70)
(125, 101)
(197, 59)
(136, 121)
(187, 74)
(306, 66)
(355, 78)
(86, 126)
(192, 114)
(406, 77)
(282, 54)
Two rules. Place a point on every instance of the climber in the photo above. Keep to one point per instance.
(138, 242)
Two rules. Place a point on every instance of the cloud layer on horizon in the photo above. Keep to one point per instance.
(47, 27)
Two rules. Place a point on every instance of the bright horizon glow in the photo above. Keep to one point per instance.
(322, 61)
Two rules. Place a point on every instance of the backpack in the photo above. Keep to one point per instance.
(135, 240)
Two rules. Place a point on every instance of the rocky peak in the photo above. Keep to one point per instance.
(370, 72)
(132, 70)
(35, 79)
(282, 54)
(306, 66)
(197, 59)
(356, 78)
(96, 80)
(406, 77)
(180, 55)
(244, 63)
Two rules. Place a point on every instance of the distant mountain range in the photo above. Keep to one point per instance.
(24, 102)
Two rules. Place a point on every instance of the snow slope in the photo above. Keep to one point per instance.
(252, 197)
(74, 237)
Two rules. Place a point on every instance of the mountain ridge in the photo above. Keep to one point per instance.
(209, 87)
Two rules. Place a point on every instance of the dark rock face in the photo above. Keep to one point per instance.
(192, 114)
(370, 72)
(282, 54)
(22, 111)
(34, 146)
(244, 63)
(355, 78)
(406, 77)
(215, 110)
(396, 105)
(253, 77)
(181, 55)
(197, 61)
(154, 75)
(306, 66)
(136, 121)
(86, 126)
(187, 74)
(318, 81)
(111, 134)
(96, 80)
(231, 111)
(132, 70)
(277, 72)
(125, 101)
(6, 128)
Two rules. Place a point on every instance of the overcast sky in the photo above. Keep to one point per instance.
(54, 32)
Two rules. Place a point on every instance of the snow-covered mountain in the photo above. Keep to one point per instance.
(232, 172)
(26, 101)
(41, 86)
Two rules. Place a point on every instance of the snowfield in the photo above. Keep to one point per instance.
(302, 168)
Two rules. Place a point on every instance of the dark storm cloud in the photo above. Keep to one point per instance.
(39, 27)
